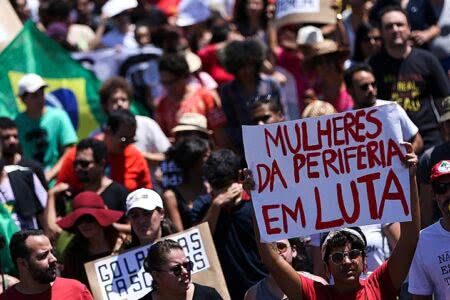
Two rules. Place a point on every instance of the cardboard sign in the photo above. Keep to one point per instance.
(123, 277)
(10, 24)
(319, 174)
(304, 11)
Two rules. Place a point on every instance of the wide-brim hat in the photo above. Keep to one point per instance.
(113, 8)
(326, 48)
(90, 203)
(191, 12)
(192, 122)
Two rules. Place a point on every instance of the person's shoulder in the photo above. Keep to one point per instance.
(434, 229)
(145, 121)
(68, 283)
(421, 52)
(206, 291)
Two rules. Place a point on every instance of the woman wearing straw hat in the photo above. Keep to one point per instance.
(327, 59)
(95, 237)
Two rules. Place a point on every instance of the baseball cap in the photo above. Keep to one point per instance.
(309, 35)
(144, 198)
(440, 169)
(445, 109)
(30, 83)
(115, 7)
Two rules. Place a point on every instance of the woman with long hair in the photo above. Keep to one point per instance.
(367, 42)
(95, 237)
(189, 155)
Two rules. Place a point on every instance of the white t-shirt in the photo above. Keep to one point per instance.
(149, 136)
(430, 270)
(409, 129)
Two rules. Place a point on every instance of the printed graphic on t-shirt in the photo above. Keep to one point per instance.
(444, 265)
(37, 138)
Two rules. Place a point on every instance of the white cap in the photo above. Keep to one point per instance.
(145, 199)
(114, 7)
(30, 83)
(309, 35)
(192, 12)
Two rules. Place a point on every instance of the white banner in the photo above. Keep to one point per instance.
(318, 174)
(287, 7)
(123, 276)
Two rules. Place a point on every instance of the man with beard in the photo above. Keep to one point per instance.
(361, 85)
(410, 76)
(33, 256)
(429, 273)
(124, 163)
(89, 168)
(11, 149)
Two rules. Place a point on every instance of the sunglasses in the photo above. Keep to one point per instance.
(178, 269)
(365, 86)
(370, 38)
(441, 188)
(82, 163)
(282, 248)
(338, 257)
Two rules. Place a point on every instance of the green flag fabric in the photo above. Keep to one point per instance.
(7, 228)
(70, 86)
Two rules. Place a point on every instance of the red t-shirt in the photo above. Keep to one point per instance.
(211, 64)
(168, 112)
(378, 286)
(62, 288)
(128, 168)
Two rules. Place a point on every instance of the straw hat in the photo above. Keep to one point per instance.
(192, 122)
(327, 48)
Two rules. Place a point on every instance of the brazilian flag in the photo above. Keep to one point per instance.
(7, 228)
(70, 86)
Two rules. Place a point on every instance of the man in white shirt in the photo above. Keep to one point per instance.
(430, 270)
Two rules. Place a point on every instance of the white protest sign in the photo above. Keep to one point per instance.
(286, 7)
(123, 276)
(304, 11)
(315, 175)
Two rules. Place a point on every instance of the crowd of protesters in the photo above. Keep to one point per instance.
(223, 64)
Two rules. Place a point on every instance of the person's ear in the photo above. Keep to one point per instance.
(22, 262)
(327, 271)
(294, 251)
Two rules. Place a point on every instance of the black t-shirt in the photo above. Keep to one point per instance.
(413, 82)
(201, 292)
(235, 243)
(431, 157)
(115, 196)
(36, 167)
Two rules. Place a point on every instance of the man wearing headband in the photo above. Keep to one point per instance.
(343, 253)
(430, 270)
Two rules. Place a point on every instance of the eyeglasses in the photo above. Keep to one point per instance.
(282, 247)
(365, 86)
(178, 269)
(370, 38)
(338, 257)
(82, 163)
(441, 188)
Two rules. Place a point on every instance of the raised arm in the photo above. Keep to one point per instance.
(401, 258)
(283, 273)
